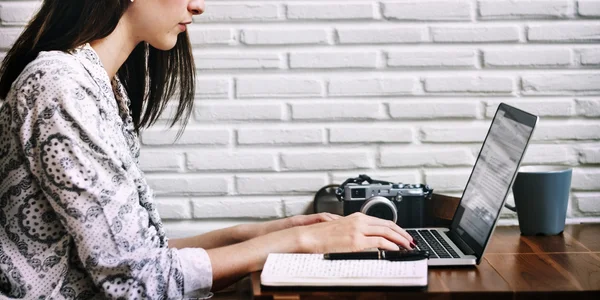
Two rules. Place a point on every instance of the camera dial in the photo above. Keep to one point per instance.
(381, 207)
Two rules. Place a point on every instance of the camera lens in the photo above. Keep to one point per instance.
(380, 207)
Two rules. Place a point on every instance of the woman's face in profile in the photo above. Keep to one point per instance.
(159, 22)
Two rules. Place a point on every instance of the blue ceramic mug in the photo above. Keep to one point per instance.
(541, 198)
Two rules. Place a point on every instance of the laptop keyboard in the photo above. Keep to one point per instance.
(432, 241)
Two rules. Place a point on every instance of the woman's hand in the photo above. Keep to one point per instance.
(352, 233)
(303, 220)
(321, 233)
(258, 229)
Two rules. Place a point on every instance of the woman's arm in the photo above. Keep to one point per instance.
(352, 233)
(239, 233)
(78, 163)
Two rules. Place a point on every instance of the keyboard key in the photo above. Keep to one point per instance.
(434, 243)
(446, 245)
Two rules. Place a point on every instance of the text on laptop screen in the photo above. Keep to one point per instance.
(492, 175)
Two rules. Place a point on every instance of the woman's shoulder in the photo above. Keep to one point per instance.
(57, 67)
(53, 79)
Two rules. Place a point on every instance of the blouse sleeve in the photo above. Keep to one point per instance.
(71, 153)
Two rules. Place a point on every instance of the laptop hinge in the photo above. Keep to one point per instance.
(460, 243)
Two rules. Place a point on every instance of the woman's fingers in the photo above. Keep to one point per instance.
(389, 224)
(379, 242)
(331, 217)
(387, 233)
(325, 217)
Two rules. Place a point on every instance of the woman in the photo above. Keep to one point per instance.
(77, 214)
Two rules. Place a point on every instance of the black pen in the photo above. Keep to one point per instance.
(381, 254)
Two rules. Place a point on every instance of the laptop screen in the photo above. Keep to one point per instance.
(492, 176)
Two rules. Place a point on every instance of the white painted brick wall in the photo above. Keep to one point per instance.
(339, 10)
(528, 58)
(588, 8)
(503, 9)
(432, 59)
(381, 34)
(292, 95)
(590, 57)
(428, 10)
(333, 60)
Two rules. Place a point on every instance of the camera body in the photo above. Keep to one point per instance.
(402, 203)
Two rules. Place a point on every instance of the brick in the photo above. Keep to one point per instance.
(440, 59)
(188, 185)
(588, 8)
(337, 111)
(428, 10)
(588, 107)
(330, 11)
(557, 132)
(227, 161)
(247, 60)
(561, 83)
(338, 160)
(589, 154)
(237, 207)
(206, 112)
(447, 181)
(279, 183)
(173, 208)
(396, 176)
(191, 136)
(170, 161)
(18, 13)
(448, 157)
(281, 86)
(588, 202)
(589, 57)
(475, 34)
(433, 109)
(527, 58)
(585, 179)
(303, 205)
(212, 88)
(330, 60)
(543, 154)
(283, 36)
(381, 35)
(505, 9)
(578, 32)
(454, 134)
(252, 136)
(542, 107)
(374, 86)
(8, 36)
(218, 12)
(200, 36)
(469, 84)
(370, 134)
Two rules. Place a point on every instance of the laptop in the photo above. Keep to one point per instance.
(485, 193)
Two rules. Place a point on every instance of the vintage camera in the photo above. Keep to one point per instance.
(402, 203)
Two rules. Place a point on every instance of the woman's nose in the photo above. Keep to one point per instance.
(196, 7)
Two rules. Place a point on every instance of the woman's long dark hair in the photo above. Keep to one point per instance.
(150, 76)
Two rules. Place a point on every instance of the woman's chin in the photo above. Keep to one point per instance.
(165, 45)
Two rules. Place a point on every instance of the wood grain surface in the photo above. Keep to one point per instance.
(564, 266)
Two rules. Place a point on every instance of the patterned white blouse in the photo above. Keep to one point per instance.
(76, 214)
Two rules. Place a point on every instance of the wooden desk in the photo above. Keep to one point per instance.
(565, 266)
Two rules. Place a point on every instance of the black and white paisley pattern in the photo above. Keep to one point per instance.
(76, 213)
